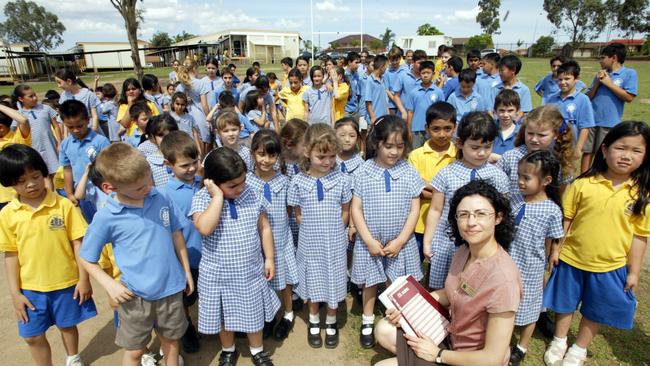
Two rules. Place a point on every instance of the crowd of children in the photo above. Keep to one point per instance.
(277, 191)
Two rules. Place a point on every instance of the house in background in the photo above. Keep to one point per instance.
(352, 42)
(106, 55)
(633, 45)
(459, 43)
(429, 44)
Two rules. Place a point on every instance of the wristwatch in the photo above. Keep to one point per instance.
(439, 357)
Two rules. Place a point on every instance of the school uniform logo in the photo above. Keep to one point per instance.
(164, 216)
(56, 222)
(91, 152)
(434, 98)
(473, 104)
(571, 107)
(618, 81)
(495, 83)
(629, 209)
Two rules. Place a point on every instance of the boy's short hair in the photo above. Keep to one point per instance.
(177, 144)
(352, 55)
(4, 119)
(441, 110)
(449, 49)
(395, 53)
(419, 55)
(149, 81)
(15, 160)
(287, 61)
(227, 118)
(72, 108)
(262, 82)
(272, 76)
(256, 64)
(137, 108)
(492, 57)
(232, 66)
(370, 59)
(379, 61)
(569, 67)
(456, 63)
(109, 91)
(226, 71)
(53, 94)
(560, 58)
(615, 49)
(226, 99)
(121, 163)
(510, 62)
(467, 75)
(473, 53)
(507, 98)
(427, 65)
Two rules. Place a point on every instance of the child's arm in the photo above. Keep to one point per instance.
(95, 119)
(494, 158)
(69, 184)
(212, 112)
(19, 301)
(298, 212)
(23, 122)
(345, 213)
(435, 210)
(409, 120)
(80, 191)
(206, 221)
(274, 118)
(306, 105)
(556, 245)
(197, 140)
(371, 112)
(181, 253)
(621, 93)
(398, 103)
(96, 82)
(116, 290)
(591, 92)
(394, 246)
(261, 120)
(582, 139)
(83, 290)
(204, 102)
(266, 235)
(427, 192)
(635, 261)
(374, 246)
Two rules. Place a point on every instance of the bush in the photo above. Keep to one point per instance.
(543, 47)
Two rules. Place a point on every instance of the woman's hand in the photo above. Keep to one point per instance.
(394, 316)
(423, 346)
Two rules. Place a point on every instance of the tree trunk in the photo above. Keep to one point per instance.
(128, 12)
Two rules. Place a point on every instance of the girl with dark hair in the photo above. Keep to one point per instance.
(318, 98)
(212, 80)
(75, 88)
(131, 93)
(607, 223)
(157, 128)
(152, 91)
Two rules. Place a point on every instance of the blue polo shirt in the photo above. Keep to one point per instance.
(394, 82)
(247, 127)
(79, 153)
(409, 82)
(576, 110)
(501, 145)
(450, 86)
(547, 85)
(524, 95)
(142, 244)
(363, 80)
(418, 100)
(465, 105)
(608, 108)
(352, 106)
(180, 194)
(375, 93)
(485, 85)
(221, 89)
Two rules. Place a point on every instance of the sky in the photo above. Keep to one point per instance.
(98, 20)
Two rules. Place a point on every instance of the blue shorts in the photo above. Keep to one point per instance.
(54, 308)
(601, 294)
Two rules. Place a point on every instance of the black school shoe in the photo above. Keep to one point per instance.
(228, 358)
(268, 329)
(546, 325)
(282, 330)
(314, 340)
(262, 359)
(367, 341)
(516, 356)
(190, 339)
(331, 341)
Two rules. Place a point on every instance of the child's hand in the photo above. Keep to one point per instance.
(189, 288)
(73, 199)
(428, 253)
(213, 189)
(333, 74)
(553, 259)
(604, 78)
(20, 302)
(631, 282)
(352, 232)
(375, 248)
(393, 248)
(393, 316)
(97, 77)
(83, 291)
(269, 269)
(118, 292)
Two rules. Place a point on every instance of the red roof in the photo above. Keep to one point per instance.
(628, 42)
(349, 38)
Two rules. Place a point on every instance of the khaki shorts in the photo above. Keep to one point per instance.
(138, 317)
(595, 139)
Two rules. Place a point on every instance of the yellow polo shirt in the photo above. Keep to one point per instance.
(343, 92)
(428, 163)
(602, 229)
(43, 240)
(8, 193)
(295, 107)
(124, 109)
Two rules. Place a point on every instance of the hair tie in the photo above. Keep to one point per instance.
(563, 126)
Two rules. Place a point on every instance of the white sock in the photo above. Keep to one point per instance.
(559, 340)
(315, 319)
(289, 316)
(367, 319)
(73, 357)
(522, 349)
(575, 349)
(330, 319)
(256, 350)
(228, 349)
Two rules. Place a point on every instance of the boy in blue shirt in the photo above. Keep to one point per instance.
(182, 157)
(411, 77)
(393, 78)
(548, 84)
(575, 106)
(375, 91)
(352, 72)
(509, 67)
(486, 82)
(228, 85)
(507, 113)
(418, 100)
(612, 87)
(78, 149)
(473, 59)
(145, 229)
(465, 99)
(449, 81)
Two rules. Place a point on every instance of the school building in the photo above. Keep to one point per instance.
(429, 44)
(352, 42)
(106, 55)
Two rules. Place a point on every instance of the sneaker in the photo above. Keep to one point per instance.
(554, 354)
(573, 359)
(546, 325)
(148, 359)
(314, 340)
(516, 356)
(367, 341)
(268, 329)
(181, 360)
(228, 358)
(190, 340)
(283, 329)
(331, 341)
(74, 361)
(262, 359)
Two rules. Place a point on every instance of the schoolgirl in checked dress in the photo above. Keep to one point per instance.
(157, 128)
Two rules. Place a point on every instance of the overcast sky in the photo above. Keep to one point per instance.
(97, 20)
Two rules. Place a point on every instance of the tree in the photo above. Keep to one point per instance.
(488, 16)
(183, 36)
(479, 41)
(583, 20)
(335, 45)
(376, 45)
(427, 29)
(306, 45)
(356, 43)
(161, 39)
(645, 49)
(30, 23)
(634, 17)
(132, 19)
(543, 46)
(387, 37)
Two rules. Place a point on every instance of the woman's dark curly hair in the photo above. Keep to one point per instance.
(504, 232)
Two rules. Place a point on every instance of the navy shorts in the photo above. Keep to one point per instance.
(601, 295)
(54, 308)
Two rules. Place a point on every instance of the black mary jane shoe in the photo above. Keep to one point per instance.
(262, 359)
(331, 341)
(314, 340)
(367, 341)
(282, 330)
(228, 358)
(268, 329)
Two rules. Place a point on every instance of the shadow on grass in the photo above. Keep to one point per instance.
(101, 345)
(629, 346)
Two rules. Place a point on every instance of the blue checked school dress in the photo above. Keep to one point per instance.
(232, 287)
(534, 222)
(43, 141)
(156, 160)
(386, 196)
(275, 193)
(322, 244)
(447, 181)
(292, 169)
(349, 166)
